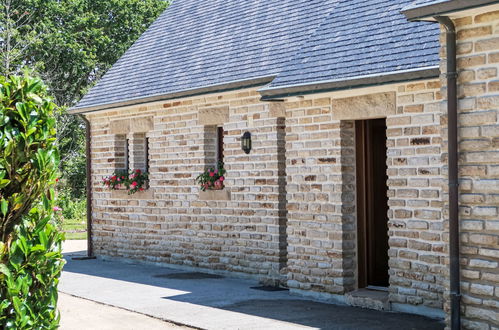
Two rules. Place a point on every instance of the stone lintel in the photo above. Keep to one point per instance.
(214, 115)
(121, 126)
(380, 105)
(142, 124)
(132, 125)
(277, 109)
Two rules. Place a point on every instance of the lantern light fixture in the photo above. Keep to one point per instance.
(246, 142)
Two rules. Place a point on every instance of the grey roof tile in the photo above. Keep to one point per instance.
(363, 38)
(195, 44)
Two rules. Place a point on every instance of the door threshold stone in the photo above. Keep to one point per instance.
(371, 299)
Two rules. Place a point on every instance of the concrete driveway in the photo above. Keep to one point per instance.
(205, 301)
(82, 314)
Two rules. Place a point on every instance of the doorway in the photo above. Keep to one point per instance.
(372, 203)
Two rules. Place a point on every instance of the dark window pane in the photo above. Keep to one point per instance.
(220, 145)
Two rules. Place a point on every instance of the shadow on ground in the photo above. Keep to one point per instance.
(218, 303)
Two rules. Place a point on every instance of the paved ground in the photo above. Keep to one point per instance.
(215, 303)
(77, 313)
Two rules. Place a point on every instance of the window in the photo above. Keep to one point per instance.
(220, 146)
(146, 167)
(127, 155)
(121, 153)
(132, 152)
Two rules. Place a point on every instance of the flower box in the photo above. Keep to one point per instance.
(215, 195)
(123, 194)
(212, 179)
(132, 182)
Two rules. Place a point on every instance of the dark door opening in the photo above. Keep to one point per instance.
(372, 203)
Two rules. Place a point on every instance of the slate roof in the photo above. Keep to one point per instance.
(196, 43)
(363, 38)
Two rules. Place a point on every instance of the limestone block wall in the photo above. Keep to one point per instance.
(322, 232)
(478, 64)
(321, 198)
(418, 241)
(169, 222)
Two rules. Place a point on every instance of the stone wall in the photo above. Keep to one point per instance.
(478, 64)
(290, 215)
(322, 230)
(169, 222)
(415, 180)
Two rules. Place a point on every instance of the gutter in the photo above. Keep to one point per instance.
(452, 127)
(270, 93)
(443, 8)
(435, 11)
(88, 142)
(238, 84)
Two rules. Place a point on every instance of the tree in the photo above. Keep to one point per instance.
(71, 44)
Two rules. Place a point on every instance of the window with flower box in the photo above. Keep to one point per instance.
(212, 180)
(131, 163)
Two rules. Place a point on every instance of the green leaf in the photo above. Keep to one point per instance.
(5, 270)
(4, 206)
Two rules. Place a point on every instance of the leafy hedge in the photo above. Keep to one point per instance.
(30, 246)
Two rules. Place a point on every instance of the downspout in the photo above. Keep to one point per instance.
(88, 141)
(452, 127)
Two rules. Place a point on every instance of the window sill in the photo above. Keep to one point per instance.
(123, 194)
(215, 195)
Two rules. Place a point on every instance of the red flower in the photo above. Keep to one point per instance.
(221, 179)
(138, 171)
(134, 184)
(141, 189)
(218, 184)
(57, 180)
(212, 174)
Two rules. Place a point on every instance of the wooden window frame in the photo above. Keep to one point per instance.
(127, 154)
(219, 159)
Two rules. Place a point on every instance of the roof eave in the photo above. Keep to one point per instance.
(247, 83)
(430, 11)
(271, 93)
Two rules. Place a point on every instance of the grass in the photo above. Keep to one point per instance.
(73, 215)
(75, 228)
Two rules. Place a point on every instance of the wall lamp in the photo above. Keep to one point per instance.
(246, 142)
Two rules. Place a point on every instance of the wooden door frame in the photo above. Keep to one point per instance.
(362, 209)
(365, 204)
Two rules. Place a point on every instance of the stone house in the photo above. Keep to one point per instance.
(344, 195)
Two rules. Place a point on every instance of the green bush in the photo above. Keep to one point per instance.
(30, 278)
(30, 246)
(74, 209)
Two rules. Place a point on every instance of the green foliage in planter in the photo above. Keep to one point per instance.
(30, 246)
(212, 179)
(132, 181)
